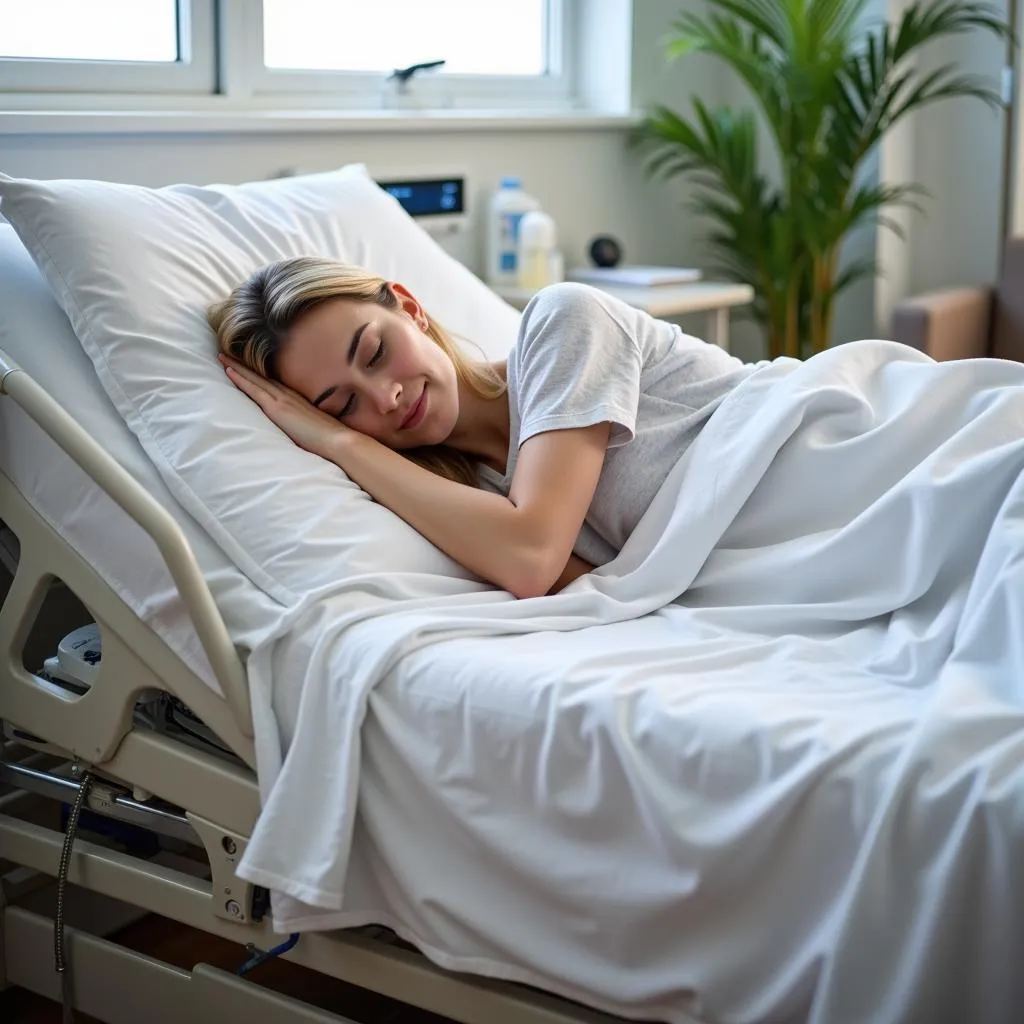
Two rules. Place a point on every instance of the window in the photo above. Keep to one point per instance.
(106, 45)
(293, 53)
(69, 30)
(496, 53)
(352, 35)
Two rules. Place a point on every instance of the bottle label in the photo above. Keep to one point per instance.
(508, 241)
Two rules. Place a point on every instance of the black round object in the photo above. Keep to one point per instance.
(605, 251)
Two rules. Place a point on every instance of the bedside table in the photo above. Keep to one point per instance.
(667, 300)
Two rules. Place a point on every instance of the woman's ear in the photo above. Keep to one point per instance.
(408, 304)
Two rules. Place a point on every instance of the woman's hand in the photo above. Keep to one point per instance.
(307, 426)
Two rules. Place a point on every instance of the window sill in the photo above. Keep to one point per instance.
(299, 121)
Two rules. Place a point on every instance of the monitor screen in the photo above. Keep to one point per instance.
(428, 197)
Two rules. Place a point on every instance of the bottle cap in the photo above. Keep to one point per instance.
(537, 231)
(510, 182)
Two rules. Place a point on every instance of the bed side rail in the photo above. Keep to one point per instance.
(154, 519)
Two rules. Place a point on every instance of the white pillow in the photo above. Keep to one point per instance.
(36, 334)
(135, 268)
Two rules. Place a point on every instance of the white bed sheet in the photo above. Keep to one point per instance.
(566, 794)
(798, 792)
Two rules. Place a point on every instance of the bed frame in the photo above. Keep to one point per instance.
(200, 804)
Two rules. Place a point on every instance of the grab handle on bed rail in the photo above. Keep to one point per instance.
(153, 518)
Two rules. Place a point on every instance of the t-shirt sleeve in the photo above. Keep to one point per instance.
(578, 363)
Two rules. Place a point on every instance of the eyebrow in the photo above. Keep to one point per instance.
(353, 346)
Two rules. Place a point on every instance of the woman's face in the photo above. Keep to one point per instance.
(374, 369)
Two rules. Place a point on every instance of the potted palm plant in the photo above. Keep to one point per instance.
(828, 90)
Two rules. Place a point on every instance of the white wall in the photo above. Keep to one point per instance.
(955, 150)
(587, 179)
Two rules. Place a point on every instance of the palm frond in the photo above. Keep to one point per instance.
(839, 20)
(885, 223)
(877, 88)
(742, 49)
(925, 22)
(944, 84)
(869, 199)
(762, 17)
(854, 271)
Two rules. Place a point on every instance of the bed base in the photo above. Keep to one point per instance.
(153, 779)
(103, 974)
(146, 989)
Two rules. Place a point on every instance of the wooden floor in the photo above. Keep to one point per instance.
(184, 947)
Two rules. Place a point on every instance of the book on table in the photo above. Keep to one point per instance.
(637, 276)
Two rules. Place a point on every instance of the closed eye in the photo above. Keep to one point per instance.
(350, 405)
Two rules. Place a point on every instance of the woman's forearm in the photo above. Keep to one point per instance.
(483, 531)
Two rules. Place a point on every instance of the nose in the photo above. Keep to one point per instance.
(387, 397)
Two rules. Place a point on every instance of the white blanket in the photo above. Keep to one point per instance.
(857, 521)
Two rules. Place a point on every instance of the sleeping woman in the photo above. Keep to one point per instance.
(529, 472)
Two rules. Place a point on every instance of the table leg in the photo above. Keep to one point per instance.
(718, 327)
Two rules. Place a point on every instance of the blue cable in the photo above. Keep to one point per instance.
(258, 956)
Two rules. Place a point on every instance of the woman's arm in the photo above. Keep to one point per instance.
(522, 543)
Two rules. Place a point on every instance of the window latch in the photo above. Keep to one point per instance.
(404, 75)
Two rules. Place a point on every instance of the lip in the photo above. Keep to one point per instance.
(415, 415)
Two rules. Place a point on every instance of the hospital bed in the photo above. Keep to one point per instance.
(148, 745)
(662, 816)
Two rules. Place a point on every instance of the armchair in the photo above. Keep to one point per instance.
(963, 323)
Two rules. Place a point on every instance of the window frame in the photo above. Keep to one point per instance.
(244, 76)
(195, 73)
(220, 40)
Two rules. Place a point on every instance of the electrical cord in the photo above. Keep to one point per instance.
(258, 956)
(59, 953)
(61, 964)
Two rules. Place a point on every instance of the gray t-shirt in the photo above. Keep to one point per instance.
(583, 357)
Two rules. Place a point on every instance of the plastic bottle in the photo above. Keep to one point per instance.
(508, 206)
(539, 261)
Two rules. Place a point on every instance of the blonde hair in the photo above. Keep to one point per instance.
(253, 322)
